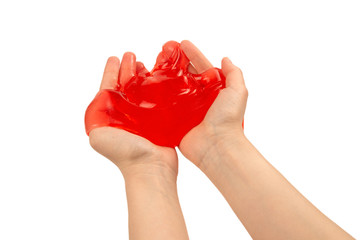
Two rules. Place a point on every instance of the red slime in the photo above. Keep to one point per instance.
(161, 105)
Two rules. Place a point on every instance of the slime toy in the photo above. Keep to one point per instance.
(161, 105)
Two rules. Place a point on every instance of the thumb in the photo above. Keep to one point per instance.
(233, 74)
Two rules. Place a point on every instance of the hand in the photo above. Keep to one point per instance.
(223, 120)
(131, 153)
(263, 200)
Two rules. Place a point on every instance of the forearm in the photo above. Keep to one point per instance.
(266, 203)
(154, 209)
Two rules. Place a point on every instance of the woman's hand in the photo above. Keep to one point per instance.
(133, 154)
(223, 121)
(149, 171)
(263, 200)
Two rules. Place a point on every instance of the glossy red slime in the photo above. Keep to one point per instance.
(161, 105)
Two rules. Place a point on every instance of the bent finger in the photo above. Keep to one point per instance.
(199, 61)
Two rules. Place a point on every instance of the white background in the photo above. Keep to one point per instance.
(301, 61)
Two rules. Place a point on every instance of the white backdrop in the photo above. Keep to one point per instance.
(301, 62)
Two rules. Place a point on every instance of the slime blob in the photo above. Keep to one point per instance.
(161, 105)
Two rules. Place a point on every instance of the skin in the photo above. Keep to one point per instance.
(264, 201)
(149, 171)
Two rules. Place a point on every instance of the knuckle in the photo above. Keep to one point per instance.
(239, 70)
(236, 70)
(244, 92)
(236, 73)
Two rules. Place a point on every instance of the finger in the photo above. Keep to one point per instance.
(111, 73)
(140, 68)
(200, 62)
(233, 74)
(127, 69)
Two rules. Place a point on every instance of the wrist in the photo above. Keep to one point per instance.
(148, 170)
(152, 180)
(221, 143)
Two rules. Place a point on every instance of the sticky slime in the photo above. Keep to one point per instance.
(161, 105)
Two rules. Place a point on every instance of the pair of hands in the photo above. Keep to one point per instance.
(264, 201)
(136, 155)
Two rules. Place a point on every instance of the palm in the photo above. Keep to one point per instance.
(196, 141)
(126, 149)
(123, 148)
(227, 109)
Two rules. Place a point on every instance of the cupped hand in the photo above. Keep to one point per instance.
(223, 121)
(131, 153)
